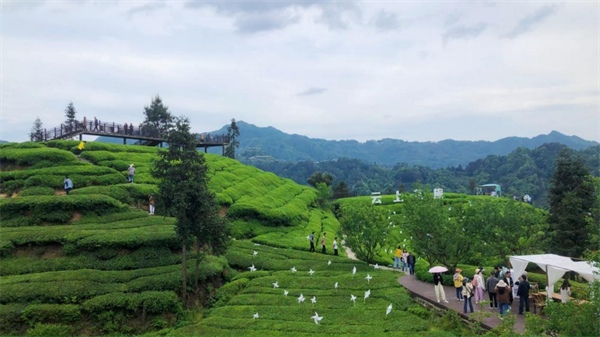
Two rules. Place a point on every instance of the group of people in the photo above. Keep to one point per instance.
(335, 245)
(96, 125)
(404, 260)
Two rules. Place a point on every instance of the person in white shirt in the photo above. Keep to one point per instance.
(565, 291)
(335, 246)
(480, 288)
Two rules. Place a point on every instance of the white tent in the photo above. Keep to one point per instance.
(555, 266)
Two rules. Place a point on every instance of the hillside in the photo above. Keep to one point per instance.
(95, 262)
(269, 141)
(523, 171)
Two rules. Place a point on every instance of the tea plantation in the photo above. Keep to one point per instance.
(95, 263)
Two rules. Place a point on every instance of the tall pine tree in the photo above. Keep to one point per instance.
(37, 131)
(158, 118)
(232, 132)
(184, 194)
(571, 199)
(70, 115)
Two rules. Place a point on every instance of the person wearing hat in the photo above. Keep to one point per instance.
(458, 283)
(467, 293)
(503, 295)
(131, 172)
(490, 284)
(479, 283)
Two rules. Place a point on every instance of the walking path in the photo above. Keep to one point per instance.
(425, 291)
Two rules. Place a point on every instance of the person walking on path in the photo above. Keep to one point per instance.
(523, 294)
(335, 246)
(510, 283)
(84, 123)
(411, 263)
(479, 284)
(467, 293)
(323, 248)
(439, 287)
(311, 238)
(490, 284)
(125, 128)
(503, 291)
(95, 124)
(565, 291)
(458, 283)
(68, 185)
(131, 129)
(131, 172)
(151, 204)
(398, 258)
(404, 260)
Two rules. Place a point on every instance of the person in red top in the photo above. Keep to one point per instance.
(151, 204)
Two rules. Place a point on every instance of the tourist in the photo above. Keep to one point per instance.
(565, 291)
(131, 129)
(490, 284)
(312, 242)
(467, 293)
(95, 124)
(68, 185)
(151, 204)
(523, 294)
(398, 258)
(323, 248)
(503, 291)
(335, 246)
(510, 283)
(404, 260)
(410, 259)
(84, 123)
(125, 128)
(496, 272)
(439, 287)
(479, 284)
(458, 283)
(131, 171)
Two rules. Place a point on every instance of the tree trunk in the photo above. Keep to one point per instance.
(184, 272)
(197, 270)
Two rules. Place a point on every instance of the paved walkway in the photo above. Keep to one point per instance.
(425, 291)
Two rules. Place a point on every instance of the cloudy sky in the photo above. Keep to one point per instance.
(414, 70)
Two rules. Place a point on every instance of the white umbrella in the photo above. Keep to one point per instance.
(317, 318)
(438, 269)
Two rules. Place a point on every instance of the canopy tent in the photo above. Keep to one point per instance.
(555, 266)
(488, 188)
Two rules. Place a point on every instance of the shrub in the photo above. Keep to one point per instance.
(226, 292)
(10, 318)
(44, 313)
(55, 330)
(40, 206)
(37, 191)
(28, 157)
(152, 302)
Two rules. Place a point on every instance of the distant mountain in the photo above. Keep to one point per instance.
(279, 145)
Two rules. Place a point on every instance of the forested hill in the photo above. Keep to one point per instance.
(269, 141)
(523, 171)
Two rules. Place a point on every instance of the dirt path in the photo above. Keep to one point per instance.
(352, 256)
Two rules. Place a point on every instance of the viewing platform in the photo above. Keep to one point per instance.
(143, 135)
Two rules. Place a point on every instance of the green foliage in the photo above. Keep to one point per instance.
(572, 319)
(30, 156)
(320, 177)
(55, 330)
(365, 229)
(37, 191)
(10, 318)
(152, 302)
(226, 292)
(70, 116)
(233, 132)
(45, 313)
(324, 196)
(125, 193)
(158, 118)
(37, 131)
(571, 200)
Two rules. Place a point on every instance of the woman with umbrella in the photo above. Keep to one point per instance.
(438, 282)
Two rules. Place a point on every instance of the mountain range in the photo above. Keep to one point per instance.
(269, 143)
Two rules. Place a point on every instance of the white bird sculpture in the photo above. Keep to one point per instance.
(275, 285)
(369, 277)
(285, 293)
(254, 254)
(313, 300)
(252, 268)
(389, 309)
(329, 263)
(301, 299)
(367, 294)
(353, 299)
(294, 269)
(255, 316)
(353, 271)
(311, 272)
(317, 318)
(376, 266)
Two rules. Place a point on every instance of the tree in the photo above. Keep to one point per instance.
(70, 115)
(158, 118)
(571, 199)
(320, 177)
(341, 190)
(184, 194)
(509, 227)
(324, 196)
(37, 131)
(442, 234)
(365, 229)
(472, 185)
(232, 132)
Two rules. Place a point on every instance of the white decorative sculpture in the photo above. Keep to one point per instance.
(317, 318)
(398, 198)
(389, 309)
(376, 198)
(438, 193)
(252, 268)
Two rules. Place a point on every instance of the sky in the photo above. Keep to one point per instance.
(412, 70)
